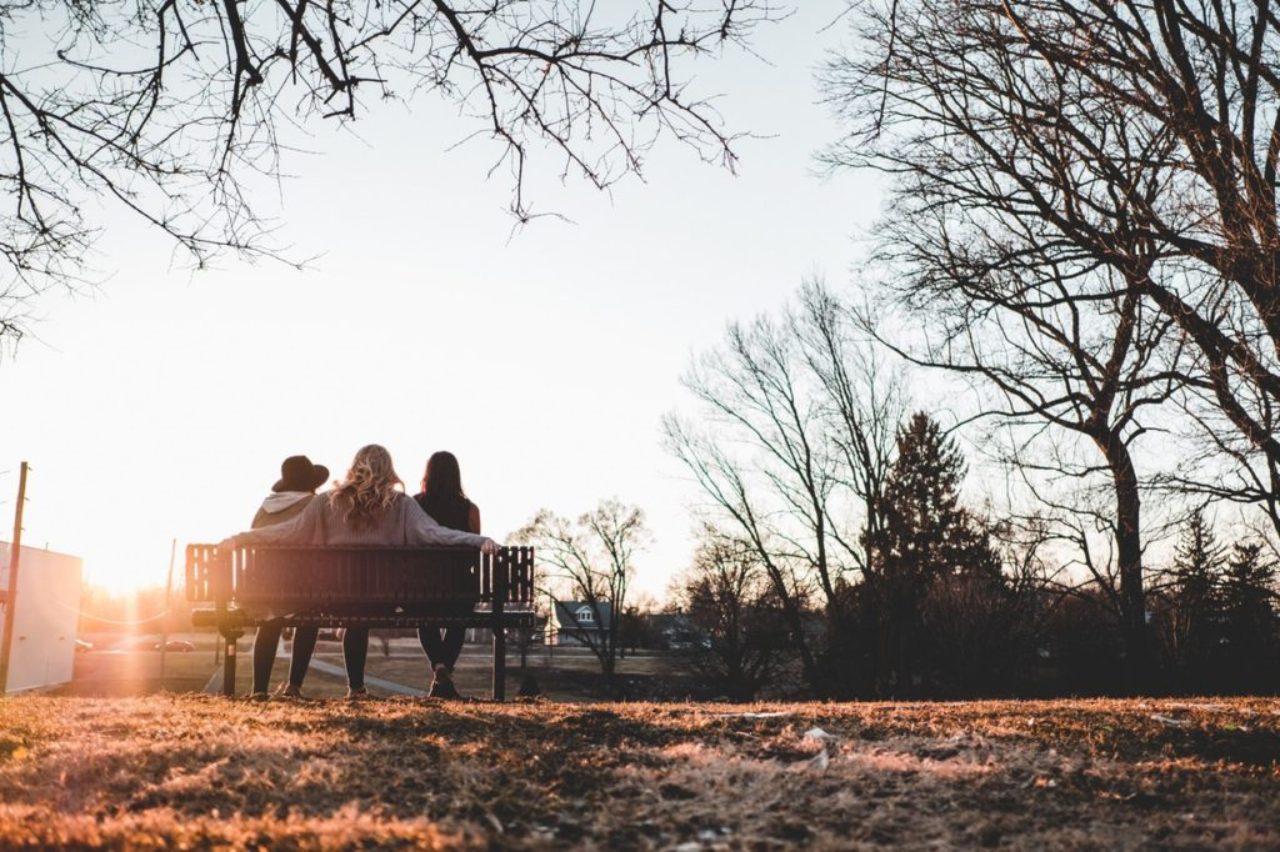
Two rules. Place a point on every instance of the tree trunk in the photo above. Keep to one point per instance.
(817, 684)
(1133, 608)
(609, 662)
(795, 623)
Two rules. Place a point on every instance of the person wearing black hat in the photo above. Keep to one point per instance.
(296, 488)
(299, 479)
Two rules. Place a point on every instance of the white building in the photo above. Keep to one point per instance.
(46, 615)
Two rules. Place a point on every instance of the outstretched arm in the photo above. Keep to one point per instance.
(423, 529)
(300, 529)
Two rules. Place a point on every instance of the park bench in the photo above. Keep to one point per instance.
(361, 586)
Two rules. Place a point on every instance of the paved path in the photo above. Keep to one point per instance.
(369, 680)
(214, 686)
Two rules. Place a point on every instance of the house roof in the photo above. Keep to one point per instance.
(571, 615)
(664, 621)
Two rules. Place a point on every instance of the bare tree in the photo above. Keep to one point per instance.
(1054, 347)
(592, 557)
(162, 108)
(795, 435)
(1142, 136)
(728, 596)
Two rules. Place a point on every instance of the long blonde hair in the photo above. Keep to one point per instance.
(368, 489)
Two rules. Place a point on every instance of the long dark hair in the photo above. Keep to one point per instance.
(442, 496)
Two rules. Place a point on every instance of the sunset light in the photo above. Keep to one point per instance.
(120, 577)
(653, 424)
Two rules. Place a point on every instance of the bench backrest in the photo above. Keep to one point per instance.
(296, 577)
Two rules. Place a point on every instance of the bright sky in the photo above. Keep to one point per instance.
(162, 406)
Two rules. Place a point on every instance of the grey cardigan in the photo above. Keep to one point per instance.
(403, 523)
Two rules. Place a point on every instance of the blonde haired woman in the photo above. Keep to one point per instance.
(365, 507)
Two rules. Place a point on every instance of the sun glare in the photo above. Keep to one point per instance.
(122, 576)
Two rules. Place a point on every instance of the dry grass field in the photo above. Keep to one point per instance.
(170, 771)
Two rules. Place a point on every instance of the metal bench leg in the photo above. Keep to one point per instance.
(229, 669)
(229, 662)
(500, 567)
(499, 664)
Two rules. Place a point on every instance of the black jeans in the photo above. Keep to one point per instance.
(264, 654)
(355, 647)
(444, 650)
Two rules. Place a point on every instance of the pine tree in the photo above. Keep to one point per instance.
(1249, 616)
(1195, 624)
(926, 536)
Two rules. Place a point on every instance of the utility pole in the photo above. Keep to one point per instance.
(6, 643)
(164, 618)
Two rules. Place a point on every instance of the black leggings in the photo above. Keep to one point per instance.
(438, 650)
(264, 654)
(355, 650)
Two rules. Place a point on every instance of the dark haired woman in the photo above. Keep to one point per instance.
(444, 500)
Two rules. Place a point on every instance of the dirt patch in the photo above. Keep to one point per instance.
(197, 771)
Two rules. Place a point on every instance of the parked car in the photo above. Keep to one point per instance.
(181, 645)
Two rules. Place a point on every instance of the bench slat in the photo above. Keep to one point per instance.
(291, 577)
(242, 619)
(285, 579)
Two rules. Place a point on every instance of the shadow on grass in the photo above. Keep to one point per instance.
(1067, 773)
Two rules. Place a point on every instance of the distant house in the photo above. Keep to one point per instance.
(578, 622)
(675, 631)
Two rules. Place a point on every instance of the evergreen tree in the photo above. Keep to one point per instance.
(1195, 620)
(1248, 611)
(926, 537)
(928, 533)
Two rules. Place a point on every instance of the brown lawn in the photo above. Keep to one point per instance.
(198, 771)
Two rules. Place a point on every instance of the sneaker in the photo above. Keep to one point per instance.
(258, 696)
(442, 685)
(288, 690)
(357, 694)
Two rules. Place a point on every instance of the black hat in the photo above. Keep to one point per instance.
(299, 474)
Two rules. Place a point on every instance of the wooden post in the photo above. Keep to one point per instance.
(546, 631)
(164, 617)
(500, 572)
(6, 642)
